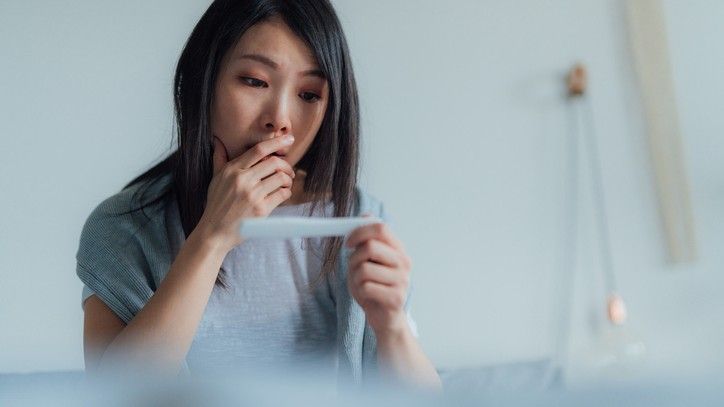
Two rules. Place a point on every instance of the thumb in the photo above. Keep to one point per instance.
(220, 155)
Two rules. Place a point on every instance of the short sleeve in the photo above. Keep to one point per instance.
(120, 252)
(87, 292)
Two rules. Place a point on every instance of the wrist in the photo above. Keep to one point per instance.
(211, 243)
(396, 333)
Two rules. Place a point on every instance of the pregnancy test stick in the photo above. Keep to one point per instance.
(284, 227)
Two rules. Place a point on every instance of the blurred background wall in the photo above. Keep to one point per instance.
(465, 140)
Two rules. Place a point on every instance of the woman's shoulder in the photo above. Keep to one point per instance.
(134, 195)
(114, 222)
(134, 204)
(124, 249)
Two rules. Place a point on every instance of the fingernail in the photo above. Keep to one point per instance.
(288, 139)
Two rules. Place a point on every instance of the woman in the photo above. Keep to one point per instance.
(267, 115)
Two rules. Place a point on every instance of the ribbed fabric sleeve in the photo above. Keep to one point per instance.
(123, 256)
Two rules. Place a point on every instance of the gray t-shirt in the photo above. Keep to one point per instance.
(270, 315)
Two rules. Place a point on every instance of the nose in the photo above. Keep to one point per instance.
(277, 118)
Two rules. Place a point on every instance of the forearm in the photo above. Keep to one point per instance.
(400, 356)
(160, 335)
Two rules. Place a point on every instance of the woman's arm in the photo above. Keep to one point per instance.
(400, 356)
(378, 279)
(159, 336)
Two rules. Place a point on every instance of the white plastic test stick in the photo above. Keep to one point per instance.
(284, 227)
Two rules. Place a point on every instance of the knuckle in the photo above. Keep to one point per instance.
(257, 211)
(245, 193)
(257, 208)
(258, 150)
(364, 288)
(363, 251)
(240, 184)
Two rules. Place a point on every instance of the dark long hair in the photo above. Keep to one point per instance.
(332, 159)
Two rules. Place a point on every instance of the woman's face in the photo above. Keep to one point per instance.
(269, 86)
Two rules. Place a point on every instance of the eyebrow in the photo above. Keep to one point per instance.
(270, 63)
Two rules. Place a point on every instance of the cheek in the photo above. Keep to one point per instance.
(306, 127)
(232, 119)
(309, 121)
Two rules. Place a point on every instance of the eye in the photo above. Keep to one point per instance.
(309, 97)
(253, 82)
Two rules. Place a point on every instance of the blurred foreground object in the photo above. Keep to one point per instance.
(647, 35)
(71, 389)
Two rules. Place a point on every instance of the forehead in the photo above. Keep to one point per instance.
(273, 38)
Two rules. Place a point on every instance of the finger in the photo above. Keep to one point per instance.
(276, 198)
(272, 183)
(375, 293)
(376, 273)
(221, 157)
(255, 154)
(268, 167)
(377, 230)
(376, 251)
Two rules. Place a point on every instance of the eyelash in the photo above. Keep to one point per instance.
(256, 83)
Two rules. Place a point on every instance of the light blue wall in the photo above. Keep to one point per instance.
(464, 125)
(464, 101)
